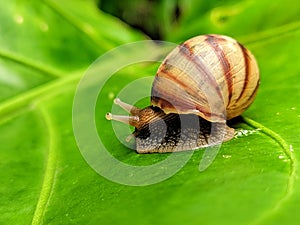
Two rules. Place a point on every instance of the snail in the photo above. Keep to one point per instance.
(199, 86)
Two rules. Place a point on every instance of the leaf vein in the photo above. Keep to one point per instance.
(271, 34)
(79, 25)
(292, 174)
(49, 175)
(30, 63)
(23, 99)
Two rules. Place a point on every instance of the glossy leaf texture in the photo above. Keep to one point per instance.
(45, 47)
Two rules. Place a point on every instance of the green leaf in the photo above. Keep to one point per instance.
(234, 18)
(46, 46)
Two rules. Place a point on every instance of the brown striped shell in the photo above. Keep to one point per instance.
(212, 76)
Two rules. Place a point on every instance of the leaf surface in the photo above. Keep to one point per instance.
(44, 48)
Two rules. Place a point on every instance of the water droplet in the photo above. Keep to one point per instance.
(291, 148)
(226, 156)
(243, 132)
(281, 157)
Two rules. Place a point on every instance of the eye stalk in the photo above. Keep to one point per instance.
(132, 120)
(127, 107)
(139, 118)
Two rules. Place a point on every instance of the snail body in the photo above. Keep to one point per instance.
(201, 84)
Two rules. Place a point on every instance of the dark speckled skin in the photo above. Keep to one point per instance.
(174, 132)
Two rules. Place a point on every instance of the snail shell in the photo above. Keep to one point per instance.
(229, 70)
(201, 83)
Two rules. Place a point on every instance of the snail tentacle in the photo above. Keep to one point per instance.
(127, 107)
(131, 120)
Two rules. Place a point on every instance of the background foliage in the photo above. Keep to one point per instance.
(45, 47)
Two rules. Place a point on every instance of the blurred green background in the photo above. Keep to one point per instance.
(45, 48)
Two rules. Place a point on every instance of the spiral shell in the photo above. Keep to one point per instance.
(212, 76)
